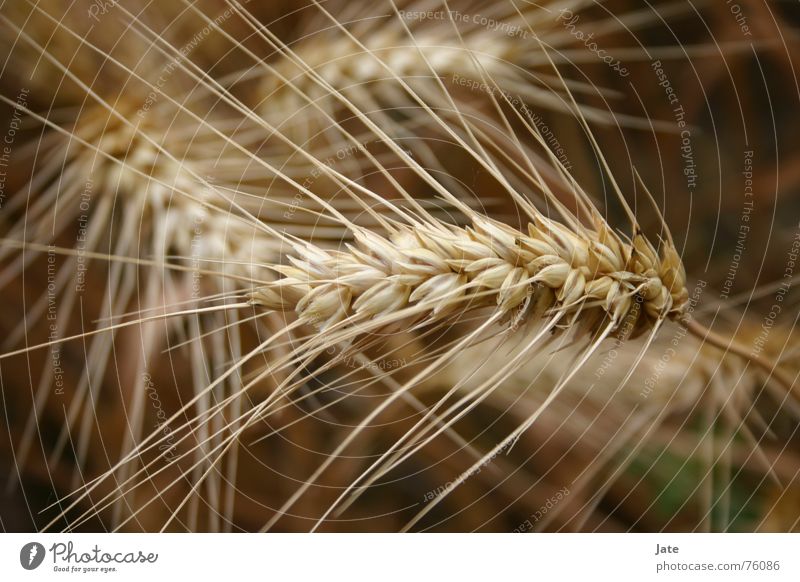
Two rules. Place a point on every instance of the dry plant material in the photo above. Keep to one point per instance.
(311, 176)
(429, 272)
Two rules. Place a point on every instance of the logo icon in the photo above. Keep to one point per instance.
(31, 555)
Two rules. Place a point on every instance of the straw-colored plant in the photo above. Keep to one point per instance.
(294, 230)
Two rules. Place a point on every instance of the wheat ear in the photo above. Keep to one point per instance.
(431, 271)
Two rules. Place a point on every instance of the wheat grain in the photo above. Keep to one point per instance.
(432, 271)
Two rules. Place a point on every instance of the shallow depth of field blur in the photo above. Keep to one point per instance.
(727, 181)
